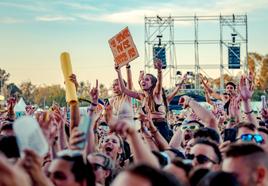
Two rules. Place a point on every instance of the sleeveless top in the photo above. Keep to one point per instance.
(122, 107)
(159, 109)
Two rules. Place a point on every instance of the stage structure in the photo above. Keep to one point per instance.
(228, 35)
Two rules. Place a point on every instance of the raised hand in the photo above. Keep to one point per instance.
(94, 93)
(184, 101)
(59, 115)
(30, 110)
(76, 138)
(74, 80)
(11, 102)
(183, 79)
(48, 125)
(117, 68)
(122, 128)
(245, 88)
(264, 113)
(158, 64)
(12, 175)
(234, 107)
(32, 164)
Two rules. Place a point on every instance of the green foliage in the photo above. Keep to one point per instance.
(257, 95)
(27, 90)
(45, 95)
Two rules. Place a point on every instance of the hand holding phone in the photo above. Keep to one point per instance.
(106, 102)
(229, 134)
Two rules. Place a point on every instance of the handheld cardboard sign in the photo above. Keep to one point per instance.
(123, 47)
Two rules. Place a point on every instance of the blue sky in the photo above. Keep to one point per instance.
(33, 33)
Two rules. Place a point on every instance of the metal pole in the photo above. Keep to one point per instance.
(221, 58)
(170, 55)
(246, 62)
(196, 54)
(145, 44)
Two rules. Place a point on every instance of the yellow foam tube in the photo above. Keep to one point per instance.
(66, 68)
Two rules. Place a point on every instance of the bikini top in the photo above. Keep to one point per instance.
(154, 107)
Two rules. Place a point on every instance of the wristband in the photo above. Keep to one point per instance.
(94, 104)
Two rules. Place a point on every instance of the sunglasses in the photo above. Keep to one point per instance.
(201, 159)
(249, 137)
(97, 166)
(189, 127)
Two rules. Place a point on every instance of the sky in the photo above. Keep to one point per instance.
(33, 33)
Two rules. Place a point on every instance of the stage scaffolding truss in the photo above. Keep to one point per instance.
(231, 30)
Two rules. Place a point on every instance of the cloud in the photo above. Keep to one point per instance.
(79, 6)
(10, 20)
(136, 16)
(54, 18)
(36, 7)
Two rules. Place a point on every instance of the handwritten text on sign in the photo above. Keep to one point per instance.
(123, 47)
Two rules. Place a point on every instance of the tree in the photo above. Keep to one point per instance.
(45, 95)
(103, 91)
(27, 89)
(83, 90)
(4, 76)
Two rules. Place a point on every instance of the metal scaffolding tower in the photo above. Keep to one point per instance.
(231, 30)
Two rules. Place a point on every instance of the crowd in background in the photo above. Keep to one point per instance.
(224, 145)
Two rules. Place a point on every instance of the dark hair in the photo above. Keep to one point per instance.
(243, 149)
(206, 132)
(185, 166)
(165, 99)
(212, 144)
(178, 154)
(161, 159)
(107, 161)
(196, 175)
(108, 164)
(153, 79)
(247, 125)
(156, 177)
(103, 123)
(7, 126)
(264, 130)
(9, 146)
(80, 169)
(195, 121)
(226, 106)
(218, 178)
(231, 83)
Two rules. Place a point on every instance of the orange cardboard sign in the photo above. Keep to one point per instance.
(123, 47)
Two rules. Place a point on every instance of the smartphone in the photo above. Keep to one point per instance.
(84, 125)
(229, 134)
(106, 101)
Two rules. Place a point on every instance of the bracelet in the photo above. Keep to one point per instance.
(94, 104)
(128, 66)
(249, 112)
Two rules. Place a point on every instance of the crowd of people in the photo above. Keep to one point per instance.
(224, 145)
